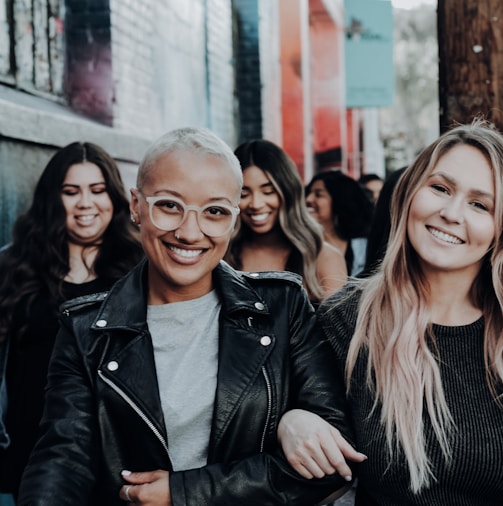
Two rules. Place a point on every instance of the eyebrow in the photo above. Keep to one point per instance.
(160, 193)
(263, 185)
(452, 181)
(73, 185)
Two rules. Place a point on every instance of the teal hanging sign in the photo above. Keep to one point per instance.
(369, 53)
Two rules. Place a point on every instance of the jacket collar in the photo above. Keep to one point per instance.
(126, 304)
(235, 291)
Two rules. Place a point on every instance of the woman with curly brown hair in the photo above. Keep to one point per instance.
(341, 206)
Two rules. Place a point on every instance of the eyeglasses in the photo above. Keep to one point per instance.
(168, 213)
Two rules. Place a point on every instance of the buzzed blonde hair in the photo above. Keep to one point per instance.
(192, 139)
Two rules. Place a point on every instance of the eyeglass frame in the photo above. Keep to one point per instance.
(152, 199)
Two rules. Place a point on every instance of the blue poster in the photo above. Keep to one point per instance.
(369, 53)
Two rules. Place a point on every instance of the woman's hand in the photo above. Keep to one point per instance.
(148, 489)
(313, 447)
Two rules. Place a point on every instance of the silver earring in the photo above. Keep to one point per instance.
(132, 218)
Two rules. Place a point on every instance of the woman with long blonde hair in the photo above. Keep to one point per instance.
(420, 343)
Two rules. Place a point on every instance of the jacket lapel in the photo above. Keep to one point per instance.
(128, 364)
(242, 351)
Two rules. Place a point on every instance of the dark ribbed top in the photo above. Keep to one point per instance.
(475, 475)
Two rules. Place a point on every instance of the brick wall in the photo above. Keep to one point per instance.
(221, 76)
(181, 63)
(133, 43)
(88, 78)
(134, 69)
(270, 70)
(173, 65)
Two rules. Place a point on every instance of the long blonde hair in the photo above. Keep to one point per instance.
(394, 322)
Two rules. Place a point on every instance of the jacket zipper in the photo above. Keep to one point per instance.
(140, 413)
(269, 407)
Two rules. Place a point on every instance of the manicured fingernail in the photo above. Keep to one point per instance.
(348, 478)
(125, 472)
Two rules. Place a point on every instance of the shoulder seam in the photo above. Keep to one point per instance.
(286, 276)
(82, 302)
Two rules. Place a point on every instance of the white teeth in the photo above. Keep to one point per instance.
(187, 253)
(445, 237)
(259, 217)
(86, 218)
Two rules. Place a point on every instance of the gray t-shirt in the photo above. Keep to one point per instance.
(185, 339)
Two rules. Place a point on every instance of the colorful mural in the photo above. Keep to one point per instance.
(292, 87)
(333, 133)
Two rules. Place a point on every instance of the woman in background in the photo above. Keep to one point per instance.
(372, 183)
(75, 239)
(342, 207)
(377, 239)
(276, 231)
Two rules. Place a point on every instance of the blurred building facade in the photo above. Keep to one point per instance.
(121, 72)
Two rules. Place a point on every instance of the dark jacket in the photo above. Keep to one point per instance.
(103, 413)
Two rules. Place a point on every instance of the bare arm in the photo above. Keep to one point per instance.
(313, 447)
(331, 269)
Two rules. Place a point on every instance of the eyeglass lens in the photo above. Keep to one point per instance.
(214, 220)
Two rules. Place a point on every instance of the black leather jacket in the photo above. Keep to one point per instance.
(103, 413)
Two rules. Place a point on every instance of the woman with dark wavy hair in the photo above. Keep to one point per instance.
(276, 230)
(343, 209)
(75, 239)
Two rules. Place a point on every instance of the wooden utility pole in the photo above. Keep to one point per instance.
(470, 43)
